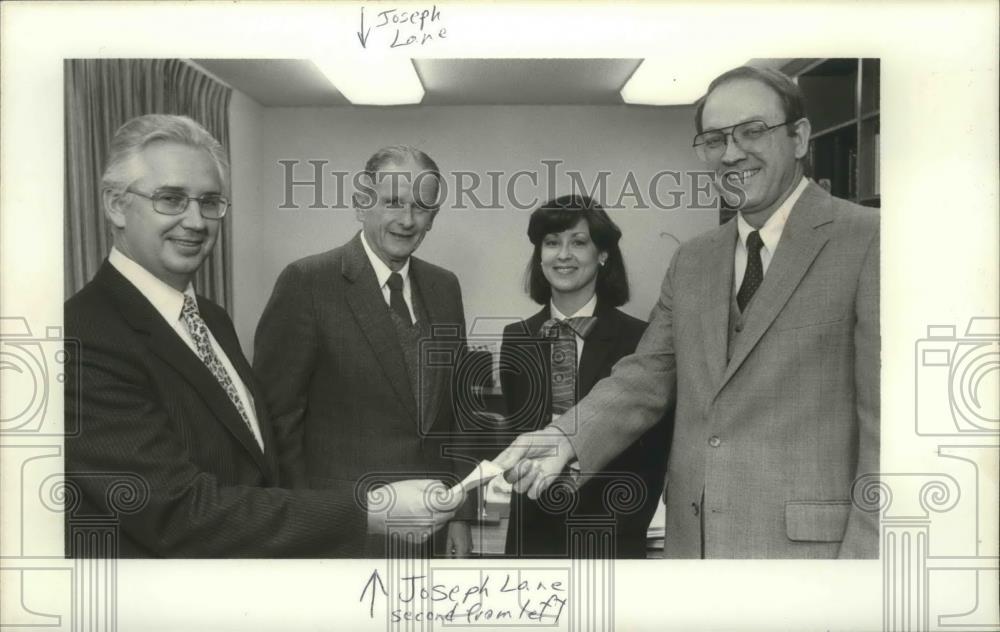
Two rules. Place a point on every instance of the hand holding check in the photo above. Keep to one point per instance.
(416, 506)
(534, 460)
(422, 506)
(479, 476)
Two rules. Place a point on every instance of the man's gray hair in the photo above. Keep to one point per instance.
(132, 137)
(398, 154)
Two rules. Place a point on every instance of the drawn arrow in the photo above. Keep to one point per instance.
(371, 582)
(363, 38)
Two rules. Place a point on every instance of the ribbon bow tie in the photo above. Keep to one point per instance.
(580, 325)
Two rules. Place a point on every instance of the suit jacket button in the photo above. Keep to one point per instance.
(738, 327)
(714, 441)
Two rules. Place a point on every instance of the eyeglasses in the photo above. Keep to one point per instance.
(174, 203)
(748, 136)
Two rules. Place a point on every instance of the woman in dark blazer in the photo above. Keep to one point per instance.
(577, 274)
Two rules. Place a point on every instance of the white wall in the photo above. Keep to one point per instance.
(487, 249)
(246, 126)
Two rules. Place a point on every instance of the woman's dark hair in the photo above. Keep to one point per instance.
(562, 214)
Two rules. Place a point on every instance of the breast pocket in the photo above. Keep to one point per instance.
(818, 306)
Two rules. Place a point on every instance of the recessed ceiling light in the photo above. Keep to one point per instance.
(673, 80)
(374, 81)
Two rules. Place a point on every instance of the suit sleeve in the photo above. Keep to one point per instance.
(462, 428)
(630, 401)
(285, 352)
(861, 536)
(127, 434)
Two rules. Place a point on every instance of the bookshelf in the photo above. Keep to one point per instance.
(842, 100)
(842, 103)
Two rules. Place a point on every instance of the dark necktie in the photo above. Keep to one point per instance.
(396, 301)
(199, 332)
(564, 333)
(755, 271)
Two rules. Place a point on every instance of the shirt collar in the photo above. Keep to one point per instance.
(165, 299)
(587, 310)
(382, 271)
(771, 231)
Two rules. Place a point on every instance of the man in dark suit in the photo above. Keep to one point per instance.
(173, 431)
(338, 347)
(765, 339)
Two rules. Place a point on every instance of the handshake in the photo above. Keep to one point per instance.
(417, 508)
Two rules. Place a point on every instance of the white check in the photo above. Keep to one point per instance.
(479, 476)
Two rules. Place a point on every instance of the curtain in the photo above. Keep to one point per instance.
(101, 94)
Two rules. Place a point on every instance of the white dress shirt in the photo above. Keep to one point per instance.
(770, 234)
(168, 302)
(382, 272)
(587, 310)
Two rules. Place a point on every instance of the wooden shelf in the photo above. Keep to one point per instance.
(842, 102)
(833, 128)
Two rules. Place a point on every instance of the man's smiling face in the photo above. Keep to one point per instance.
(403, 209)
(172, 247)
(766, 172)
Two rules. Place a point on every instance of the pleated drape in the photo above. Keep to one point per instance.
(101, 94)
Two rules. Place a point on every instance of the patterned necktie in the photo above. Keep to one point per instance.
(396, 301)
(564, 333)
(754, 273)
(199, 332)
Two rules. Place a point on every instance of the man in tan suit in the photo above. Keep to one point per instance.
(765, 339)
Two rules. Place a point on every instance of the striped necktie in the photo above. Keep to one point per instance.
(563, 359)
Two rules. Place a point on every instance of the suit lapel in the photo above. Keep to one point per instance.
(535, 330)
(366, 301)
(424, 284)
(800, 243)
(718, 262)
(164, 342)
(596, 348)
(541, 348)
(233, 351)
(535, 322)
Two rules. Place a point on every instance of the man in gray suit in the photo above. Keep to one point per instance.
(338, 346)
(765, 339)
